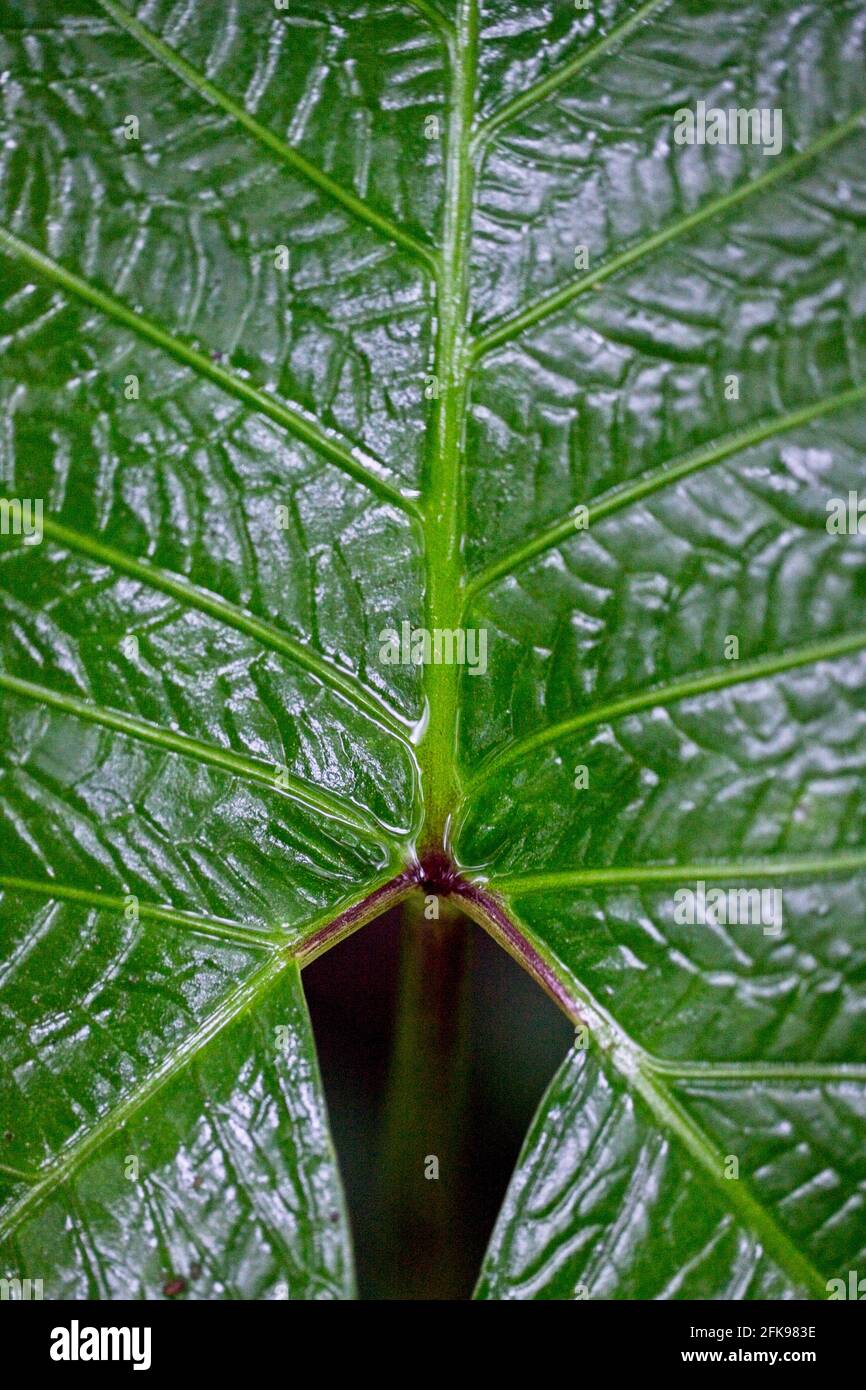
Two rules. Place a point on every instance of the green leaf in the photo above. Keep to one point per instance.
(606, 1205)
(217, 1168)
(237, 245)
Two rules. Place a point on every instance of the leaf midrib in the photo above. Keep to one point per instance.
(443, 484)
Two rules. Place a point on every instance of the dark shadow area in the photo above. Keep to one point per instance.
(424, 1236)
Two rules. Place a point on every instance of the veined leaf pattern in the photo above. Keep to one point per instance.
(312, 355)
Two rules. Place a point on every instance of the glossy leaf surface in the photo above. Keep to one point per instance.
(320, 321)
